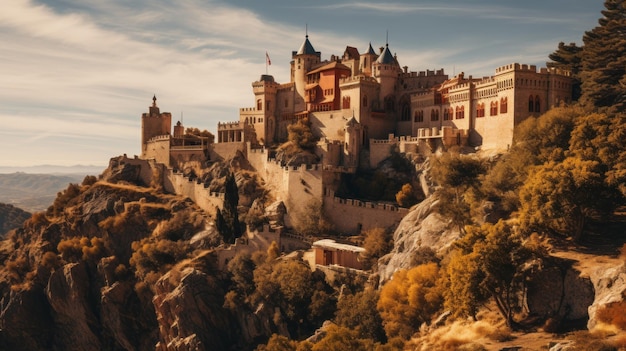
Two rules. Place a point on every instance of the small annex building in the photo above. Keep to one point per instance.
(328, 252)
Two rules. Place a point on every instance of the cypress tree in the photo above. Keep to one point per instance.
(231, 228)
(604, 59)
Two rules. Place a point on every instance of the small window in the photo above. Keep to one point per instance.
(537, 104)
(503, 105)
(259, 105)
(531, 104)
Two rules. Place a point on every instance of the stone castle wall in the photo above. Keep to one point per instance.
(175, 182)
(354, 216)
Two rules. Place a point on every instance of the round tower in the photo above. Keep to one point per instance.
(303, 60)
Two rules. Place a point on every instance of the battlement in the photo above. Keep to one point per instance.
(229, 125)
(159, 138)
(485, 81)
(363, 204)
(248, 109)
(353, 79)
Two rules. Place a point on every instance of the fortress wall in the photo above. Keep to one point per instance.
(195, 191)
(381, 149)
(352, 216)
(257, 158)
(250, 242)
(158, 149)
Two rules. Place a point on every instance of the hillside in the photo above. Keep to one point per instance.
(33, 192)
(11, 217)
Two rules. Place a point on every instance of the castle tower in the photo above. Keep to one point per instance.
(265, 122)
(153, 124)
(353, 141)
(179, 130)
(386, 70)
(367, 59)
(303, 60)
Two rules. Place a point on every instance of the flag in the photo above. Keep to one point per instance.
(267, 59)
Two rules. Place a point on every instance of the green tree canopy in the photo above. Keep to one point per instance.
(604, 59)
(568, 58)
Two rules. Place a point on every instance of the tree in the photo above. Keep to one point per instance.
(406, 196)
(342, 339)
(562, 197)
(456, 174)
(568, 58)
(227, 221)
(358, 312)
(410, 299)
(300, 135)
(278, 343)
(488, 263)
(604, 59)
(378, 242)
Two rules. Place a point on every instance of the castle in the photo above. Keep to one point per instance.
(360, 106)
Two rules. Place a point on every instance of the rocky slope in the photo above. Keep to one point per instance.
(114, 269)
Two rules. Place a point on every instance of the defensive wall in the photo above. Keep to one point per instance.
(196, 190)
(354, 216)
(249, 242)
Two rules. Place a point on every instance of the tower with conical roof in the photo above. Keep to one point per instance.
(303, 60)
(367, 59)
(386, 70)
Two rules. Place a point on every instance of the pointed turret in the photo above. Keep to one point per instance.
(306, 48)
(367, 59)
(370, 50)
(303, 61)
(386, 58)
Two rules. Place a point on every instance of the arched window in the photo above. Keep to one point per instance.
(346, 102)
(419, 116)
(446, 114)
(406, 112)
(432, 115)
(480, 110)
(531, 104)
(537, 104)
(493, 111)
(365, 101)
(503, 105)
(460, 112)
(247, 120)
(259, 105)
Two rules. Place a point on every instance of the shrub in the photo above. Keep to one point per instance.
(613, 313)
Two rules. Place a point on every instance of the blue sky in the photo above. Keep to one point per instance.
(77, 74)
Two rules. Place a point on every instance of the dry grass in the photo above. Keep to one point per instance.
(461, 335)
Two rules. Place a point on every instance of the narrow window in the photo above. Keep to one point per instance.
(259, 105)
(503, 105)
(537, 104)
(531, 104)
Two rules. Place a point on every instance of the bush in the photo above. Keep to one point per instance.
(613, 313)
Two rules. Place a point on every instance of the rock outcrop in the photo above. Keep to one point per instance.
(421, 227)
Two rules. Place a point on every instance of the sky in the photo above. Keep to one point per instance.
(76, 75)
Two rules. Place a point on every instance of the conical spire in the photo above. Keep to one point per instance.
(306, 48)
(370, 50)
(386, 58)
(154, 100)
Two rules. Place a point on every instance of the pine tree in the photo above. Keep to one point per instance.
(604, 59)
(568, 58)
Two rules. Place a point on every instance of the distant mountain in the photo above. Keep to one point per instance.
(34, 192)
(11, 217)
(55, 169)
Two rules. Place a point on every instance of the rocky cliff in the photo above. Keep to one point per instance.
(110, 266)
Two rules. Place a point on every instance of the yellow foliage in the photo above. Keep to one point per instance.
(410, 299)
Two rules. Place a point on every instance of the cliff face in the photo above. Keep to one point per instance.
(112, 269)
